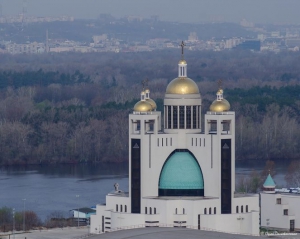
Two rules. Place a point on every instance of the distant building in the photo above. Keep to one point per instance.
(279, 208)
(83, 213)
(253, 45)
(193, 37)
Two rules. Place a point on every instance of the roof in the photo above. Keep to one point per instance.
(85, 210)
(269, 182)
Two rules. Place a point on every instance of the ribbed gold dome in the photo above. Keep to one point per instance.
(183, 86)
(142, 106)
(152, 103)
(219, 106)
(182, 62)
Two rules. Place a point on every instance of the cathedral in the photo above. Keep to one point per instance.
(180, 175)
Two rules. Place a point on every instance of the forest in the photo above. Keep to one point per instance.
(72, 107)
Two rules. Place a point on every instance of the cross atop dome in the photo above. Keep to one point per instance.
(182, 50)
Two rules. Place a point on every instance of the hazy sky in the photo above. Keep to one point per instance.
(258, 11)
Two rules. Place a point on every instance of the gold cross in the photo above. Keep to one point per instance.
(182, 46)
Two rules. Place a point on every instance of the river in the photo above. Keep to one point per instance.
(53, 188)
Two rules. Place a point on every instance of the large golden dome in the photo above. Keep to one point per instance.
(142, 106)
(219, 106)
(182, 86)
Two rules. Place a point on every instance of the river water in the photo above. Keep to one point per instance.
(53, 188)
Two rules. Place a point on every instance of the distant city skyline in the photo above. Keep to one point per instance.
(257, 11)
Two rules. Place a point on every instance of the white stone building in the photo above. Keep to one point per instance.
(279, 210)
(180, 175)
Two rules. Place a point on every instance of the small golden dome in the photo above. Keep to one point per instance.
(152, 103)
(182, 62)
(142, 106)
(182, 86)
(219, 106)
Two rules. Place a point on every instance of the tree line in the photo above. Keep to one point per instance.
(64, 112)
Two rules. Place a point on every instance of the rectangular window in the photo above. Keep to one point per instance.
(145, 210)
(204, 142)
(200, 142)
(198, 221)
(192, 141)
(196, 141)
(278, 200)
(246, 208)
(188, 117)
(169, 117)
(171, 142)
(175, 117)
(194, 117)
(285, 212)
(181, 117)
(157, 142)
(166, 141)
(162, 142)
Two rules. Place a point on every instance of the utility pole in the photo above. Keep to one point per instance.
(78, 211)
(24, 214)
(13, 230)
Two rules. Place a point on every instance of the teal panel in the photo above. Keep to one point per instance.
(181, 171)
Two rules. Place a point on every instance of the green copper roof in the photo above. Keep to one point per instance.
(181, 171)
(269, 182)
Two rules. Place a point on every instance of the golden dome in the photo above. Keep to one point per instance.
(219, 106)
(142, 106)
(182, 62)
(152, 103)
(182, 86)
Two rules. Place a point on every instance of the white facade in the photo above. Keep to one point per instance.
(180, 175)
(280, 211)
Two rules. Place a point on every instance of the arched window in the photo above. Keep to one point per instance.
(117, 207)
(215, 210)
(237, 209)
(155, 210)
(210, 210)
(246, 208)
(145, 210)
(204, 210)
(183, 211)
(176, 211)
(125, 208)
(150, 210)
(242, 209)
(121, 208)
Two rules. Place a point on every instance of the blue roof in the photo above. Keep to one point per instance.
(269, 182)
(181, 171)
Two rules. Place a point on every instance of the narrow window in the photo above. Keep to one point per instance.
(200, 142)
(175, 119)
(194, 117)
(285, 212)
(157, 142)
(278, 200)
(242, 209)
(117, 207)
(215, 210)
(203, 142)
(246, 208)
(150, 210)
(188, 117)
(145, 210)
(204, 210)
(198, 221)
(176, 211)
(125, 208)
(162, 142)
(171, 142)
(183, 211)
(192, 141)
(210, 210)
(196, 141)
(237, 209)
(121, 208)
(166, 141)
(169, 117)
(155, 210)
(181, 117)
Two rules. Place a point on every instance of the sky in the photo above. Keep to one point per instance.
(257, 11)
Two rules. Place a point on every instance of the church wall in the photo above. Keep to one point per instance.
(250, 201)
(246, 223)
